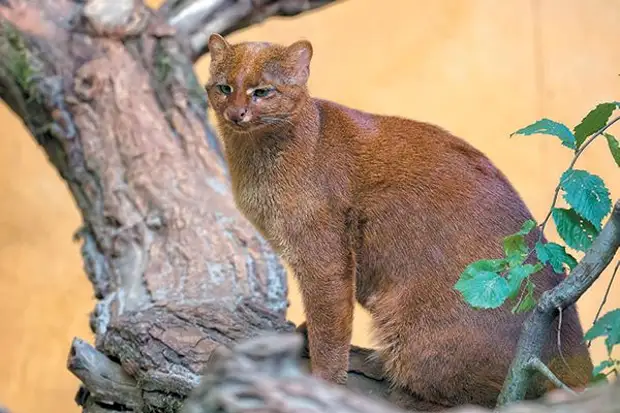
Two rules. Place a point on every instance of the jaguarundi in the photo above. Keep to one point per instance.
(383, 210)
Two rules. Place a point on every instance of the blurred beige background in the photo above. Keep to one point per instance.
(481, 68)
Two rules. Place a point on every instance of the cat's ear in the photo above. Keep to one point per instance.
(218, 47)
(299, 55)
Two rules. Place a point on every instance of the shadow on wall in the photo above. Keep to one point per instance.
(478, 68)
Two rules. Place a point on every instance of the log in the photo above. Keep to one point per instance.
(264, 375)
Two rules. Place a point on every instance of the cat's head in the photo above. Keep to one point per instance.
(257, 85)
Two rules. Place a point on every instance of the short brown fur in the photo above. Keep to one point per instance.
(381, 209)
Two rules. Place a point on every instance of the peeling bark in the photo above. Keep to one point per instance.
(263, 375)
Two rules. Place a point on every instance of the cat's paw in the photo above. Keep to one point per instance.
(339, 377)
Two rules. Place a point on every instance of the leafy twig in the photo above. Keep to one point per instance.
(556, 193)
(566, 293)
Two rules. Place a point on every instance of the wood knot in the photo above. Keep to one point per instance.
(88, 82)
(115, 19)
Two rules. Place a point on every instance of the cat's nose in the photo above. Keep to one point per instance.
(236, 115)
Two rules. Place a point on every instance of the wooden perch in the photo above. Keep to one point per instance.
(263, 375)
(109, 93)
(196, 20)
(565, 294)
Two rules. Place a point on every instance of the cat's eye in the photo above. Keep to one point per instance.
(225, 89)
(262, 92)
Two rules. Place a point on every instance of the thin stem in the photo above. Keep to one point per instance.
(600, 308)
(570, 166)
(537, 365)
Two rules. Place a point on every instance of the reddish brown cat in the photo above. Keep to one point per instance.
(381, 209)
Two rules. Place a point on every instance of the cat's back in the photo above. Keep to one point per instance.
(392, 151)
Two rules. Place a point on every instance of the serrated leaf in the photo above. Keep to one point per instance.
(515, 249)
(527, 227)
(482, 286)
(593, 122)
(614, 147)
(495, 265)
(528, 302)
(516, 276)
(549, 127)
(605, 364)
(606, 326)
(587, 194)
(555, 255)
(576, 232)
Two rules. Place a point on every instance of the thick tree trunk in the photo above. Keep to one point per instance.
(107, 89)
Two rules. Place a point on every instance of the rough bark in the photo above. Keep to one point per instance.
(527, 358)
(263, 375)
(108, 91)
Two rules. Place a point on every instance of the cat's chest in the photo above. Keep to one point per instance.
(261, 199)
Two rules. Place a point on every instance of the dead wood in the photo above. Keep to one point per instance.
(263, 375)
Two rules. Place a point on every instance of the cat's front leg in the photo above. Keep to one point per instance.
(326, 281)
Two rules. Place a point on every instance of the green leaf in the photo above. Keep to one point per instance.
(528, 302)
(605, 364)
(587, 194)
(482, 286)
(593, 122)
(527, 227)
(599, 378)
(556, 255)
(549, 127)
(606, 326)
(576, 232)
(614, 147)
(516, 276)
(515, 247)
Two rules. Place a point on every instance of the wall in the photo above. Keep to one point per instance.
(480, 68)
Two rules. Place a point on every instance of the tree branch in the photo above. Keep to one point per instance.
(196, 20)
(263, 374)
(536, 364)
(177, 271)
(106, 379)
(565, 294)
